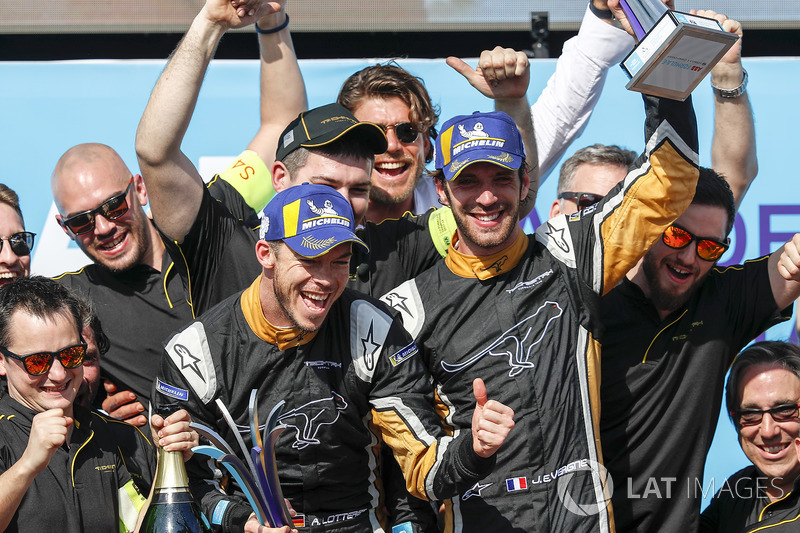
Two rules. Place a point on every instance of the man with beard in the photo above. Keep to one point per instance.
(762, 397)
(675, 323)
(521, 313)
(344, 366)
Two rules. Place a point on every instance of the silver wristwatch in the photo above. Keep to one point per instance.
(732, 93)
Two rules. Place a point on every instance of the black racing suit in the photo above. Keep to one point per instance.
(525, 320)
(358, 378)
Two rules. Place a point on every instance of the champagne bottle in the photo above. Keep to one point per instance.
(172, 508)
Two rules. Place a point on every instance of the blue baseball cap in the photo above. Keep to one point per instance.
(310, 219)
(479, 137)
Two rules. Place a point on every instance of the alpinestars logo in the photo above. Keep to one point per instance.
(558, 237)
(475, 491)
(397, 301)
(510, 345)
(187, 359)
(370, 348)
(309, 418)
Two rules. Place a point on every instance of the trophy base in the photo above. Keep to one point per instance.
(676, 54)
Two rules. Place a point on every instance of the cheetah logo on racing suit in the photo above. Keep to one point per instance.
(309, 418)
(497, 265)
(477, 131)
(510, 346)
(326, 209)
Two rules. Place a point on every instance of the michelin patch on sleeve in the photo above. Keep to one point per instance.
(369, 327)
(403, 354)
(251, 178)
(190, 353)
(171, 391)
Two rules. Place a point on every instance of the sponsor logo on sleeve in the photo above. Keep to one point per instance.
(403, 354)
(172, 391)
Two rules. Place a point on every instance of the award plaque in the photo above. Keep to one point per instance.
(675, 50)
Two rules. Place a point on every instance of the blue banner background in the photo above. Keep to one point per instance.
(47, 107)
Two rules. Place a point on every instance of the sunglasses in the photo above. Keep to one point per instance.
(752, 417)
(21, 243)
(37, 364)
(405, 131)
(707, 249)
(111, 209)
(583, 199)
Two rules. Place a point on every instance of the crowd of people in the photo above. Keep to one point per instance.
(441, 369)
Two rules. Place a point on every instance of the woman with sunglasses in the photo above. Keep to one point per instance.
(15, 242)
(60, 465)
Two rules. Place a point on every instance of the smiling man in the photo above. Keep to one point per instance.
(342, 364)
(130, 281)
(15, 243)
(521, 313)
(60, 465)
(762, 395)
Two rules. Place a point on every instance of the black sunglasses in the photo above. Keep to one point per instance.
(21, 243)
(39, 363)
(752, 417)
(707, 249)
(405, 131)
(583, 199)
(111, 209)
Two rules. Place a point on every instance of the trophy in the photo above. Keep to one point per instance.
(675, 50)
(258, 474)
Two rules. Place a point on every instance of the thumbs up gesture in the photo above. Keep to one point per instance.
(491, 422)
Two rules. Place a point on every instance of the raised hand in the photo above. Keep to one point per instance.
(502, 73)
(48, 433)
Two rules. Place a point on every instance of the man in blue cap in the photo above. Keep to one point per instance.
(520, 313)
(345, 367)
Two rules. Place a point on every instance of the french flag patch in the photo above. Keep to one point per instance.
(516, 483)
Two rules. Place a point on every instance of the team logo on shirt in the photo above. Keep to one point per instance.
(517, 348)
(475, 491)
(309, 418)
(497, 265)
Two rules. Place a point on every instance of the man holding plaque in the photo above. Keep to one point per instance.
(345, 367)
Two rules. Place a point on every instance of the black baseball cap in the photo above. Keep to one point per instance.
(324, 125)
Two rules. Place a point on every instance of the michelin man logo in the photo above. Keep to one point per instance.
(326, 210)
(477, 131)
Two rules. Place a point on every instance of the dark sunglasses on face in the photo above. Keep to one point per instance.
(21, 243)
(707, 249)
(39, 363)
(405, 131)
(111, 209)
(752, 417)
(583, 199)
